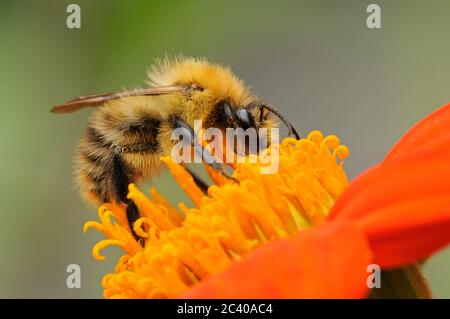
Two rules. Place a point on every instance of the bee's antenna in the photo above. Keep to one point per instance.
(292, 130)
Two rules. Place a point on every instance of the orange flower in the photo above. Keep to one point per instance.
(300, 233)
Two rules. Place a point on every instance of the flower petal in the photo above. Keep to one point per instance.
(432, 132)
(402, 206)
(399, 237)
(325, 262)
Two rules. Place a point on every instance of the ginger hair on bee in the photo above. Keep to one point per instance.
(216, 80)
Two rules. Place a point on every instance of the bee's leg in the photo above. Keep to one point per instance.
(198, 181)
(190, 138)
(211, 161)
(121, 181)
(132, 216)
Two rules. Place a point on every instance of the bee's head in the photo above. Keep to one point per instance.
(253, 115)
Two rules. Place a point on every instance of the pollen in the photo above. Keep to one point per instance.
(186, 245)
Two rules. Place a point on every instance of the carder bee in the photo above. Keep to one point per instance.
(130, 130)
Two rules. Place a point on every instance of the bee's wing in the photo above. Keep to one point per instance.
(99, 99)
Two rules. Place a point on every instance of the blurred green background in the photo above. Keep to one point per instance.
(315, 60)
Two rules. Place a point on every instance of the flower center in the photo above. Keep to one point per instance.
(232, 220)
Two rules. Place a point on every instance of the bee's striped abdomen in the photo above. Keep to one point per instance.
(105, 165)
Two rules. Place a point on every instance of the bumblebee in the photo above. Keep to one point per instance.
(130, 130)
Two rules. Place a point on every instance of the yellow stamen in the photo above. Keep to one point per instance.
(185, 246)
(117, 233)
(185, 180)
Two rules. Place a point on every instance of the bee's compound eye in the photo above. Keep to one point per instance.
(226, 114)
(245, 118)
(226, 109)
